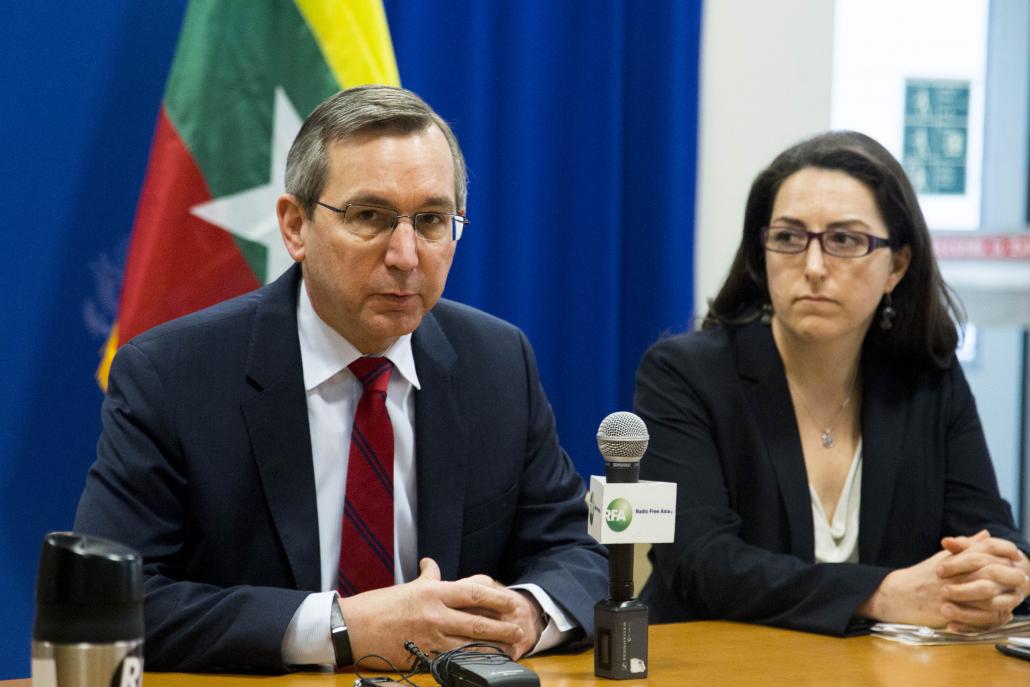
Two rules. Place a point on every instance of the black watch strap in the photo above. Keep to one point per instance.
(339, 636)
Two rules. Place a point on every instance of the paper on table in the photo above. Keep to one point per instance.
(919, 634)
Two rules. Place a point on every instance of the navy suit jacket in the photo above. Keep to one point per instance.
(723, 428)
(204, 466)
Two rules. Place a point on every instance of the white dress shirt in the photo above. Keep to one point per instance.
(333, 393)
(836, 540)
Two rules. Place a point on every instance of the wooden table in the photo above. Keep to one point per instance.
(710, 654)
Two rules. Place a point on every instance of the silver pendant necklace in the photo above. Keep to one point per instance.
(826, 435)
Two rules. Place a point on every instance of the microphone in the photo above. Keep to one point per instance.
(620, 621)
(622, 439)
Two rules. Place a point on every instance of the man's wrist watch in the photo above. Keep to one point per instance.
(339, 636)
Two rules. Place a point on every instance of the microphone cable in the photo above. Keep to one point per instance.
(417, 668)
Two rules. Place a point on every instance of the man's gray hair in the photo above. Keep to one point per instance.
(355, 111)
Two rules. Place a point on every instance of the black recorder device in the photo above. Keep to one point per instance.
(471, 665)
(508, 674)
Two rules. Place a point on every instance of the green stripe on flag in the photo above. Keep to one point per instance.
(221, 91)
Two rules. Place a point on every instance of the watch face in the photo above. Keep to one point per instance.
(336, 621)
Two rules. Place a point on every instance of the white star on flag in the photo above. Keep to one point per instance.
(250, 214)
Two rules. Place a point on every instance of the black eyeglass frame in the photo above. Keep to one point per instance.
(872, 242)
(458, 221)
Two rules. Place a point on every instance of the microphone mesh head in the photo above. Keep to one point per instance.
(622, 437)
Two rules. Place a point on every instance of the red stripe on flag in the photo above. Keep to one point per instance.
(177, 263)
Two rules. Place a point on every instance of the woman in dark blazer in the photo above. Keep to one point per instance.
(830, 463)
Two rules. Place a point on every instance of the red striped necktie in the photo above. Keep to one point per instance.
(366, 548)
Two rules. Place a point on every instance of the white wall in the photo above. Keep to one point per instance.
(928, 39)
(765, 84)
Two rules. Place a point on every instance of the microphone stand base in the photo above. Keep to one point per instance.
(620, 639)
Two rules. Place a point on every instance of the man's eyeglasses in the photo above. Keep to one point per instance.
(372, 221)
(840, 243)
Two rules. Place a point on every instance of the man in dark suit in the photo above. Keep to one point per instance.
(340, 461)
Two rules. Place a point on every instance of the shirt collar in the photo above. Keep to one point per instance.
(324, 352)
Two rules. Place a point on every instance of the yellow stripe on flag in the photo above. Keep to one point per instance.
(355, 39)
(107, 355)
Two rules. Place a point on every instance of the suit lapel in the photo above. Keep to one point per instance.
(277, 422)
(883, 438)
(439, 448)
(759, 365)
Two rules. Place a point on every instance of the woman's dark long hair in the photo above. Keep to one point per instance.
(924, 330)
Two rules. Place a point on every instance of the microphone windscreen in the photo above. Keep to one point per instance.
(622, 436)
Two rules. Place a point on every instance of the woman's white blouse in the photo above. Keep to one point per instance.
(836, 540)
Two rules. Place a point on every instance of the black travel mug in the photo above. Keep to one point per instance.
(89, 614)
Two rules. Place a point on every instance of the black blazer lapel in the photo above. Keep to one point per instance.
(759, 364)
(883, 439)
(439, 448)
(277, 422)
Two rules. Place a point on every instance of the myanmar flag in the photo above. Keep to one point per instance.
(245, 75)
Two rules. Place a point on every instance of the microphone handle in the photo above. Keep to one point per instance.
(620, 572)
(620, 556)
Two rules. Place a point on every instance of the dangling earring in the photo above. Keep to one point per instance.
(767, 313)
(887, 313)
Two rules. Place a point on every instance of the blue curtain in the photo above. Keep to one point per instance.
(579, 122)
(82, 86)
